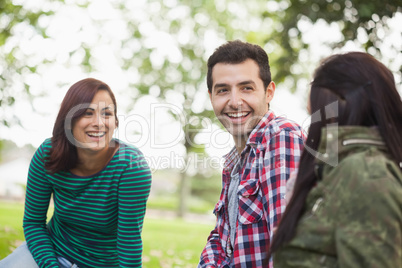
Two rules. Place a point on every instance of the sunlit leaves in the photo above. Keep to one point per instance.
(359, 21)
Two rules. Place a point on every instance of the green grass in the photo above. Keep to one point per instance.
(167, 242)
(173, 243)
(171, 202)
(11, 234)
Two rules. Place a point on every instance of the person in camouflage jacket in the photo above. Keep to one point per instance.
(353, 216)
(346, 208)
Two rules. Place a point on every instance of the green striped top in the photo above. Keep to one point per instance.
(97, 220)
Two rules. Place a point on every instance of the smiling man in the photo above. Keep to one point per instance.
(267, 149)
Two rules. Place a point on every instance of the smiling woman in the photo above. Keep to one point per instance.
(95, 128)
(100, 186)
(88, 110)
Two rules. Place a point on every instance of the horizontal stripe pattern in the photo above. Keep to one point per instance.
(97, 220)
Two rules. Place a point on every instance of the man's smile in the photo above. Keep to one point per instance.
(237, 114)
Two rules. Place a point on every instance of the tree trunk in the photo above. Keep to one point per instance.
(184, 192)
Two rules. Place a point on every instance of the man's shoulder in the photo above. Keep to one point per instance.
(280, 124)
(271, 127)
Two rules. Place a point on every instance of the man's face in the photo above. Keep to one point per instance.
(238, 96)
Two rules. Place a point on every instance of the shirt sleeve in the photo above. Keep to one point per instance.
(282, 158)
(134, 188)
(37, 198)
(368, 232)
(290, 185)
(213, 255)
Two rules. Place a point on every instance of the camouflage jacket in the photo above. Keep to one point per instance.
(353, 216)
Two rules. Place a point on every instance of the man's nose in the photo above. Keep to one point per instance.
(235, 99)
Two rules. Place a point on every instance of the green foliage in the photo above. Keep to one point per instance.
(188, 23)
(10, 151)
(351, 16)
(12, 67)
(182, 71)
(1, 150)
(207, 187)
(192, 29)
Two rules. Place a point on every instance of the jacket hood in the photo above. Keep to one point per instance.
(338, 141)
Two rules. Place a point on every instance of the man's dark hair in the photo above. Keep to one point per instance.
(234, 52)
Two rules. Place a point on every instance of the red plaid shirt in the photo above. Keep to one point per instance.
(272, 152)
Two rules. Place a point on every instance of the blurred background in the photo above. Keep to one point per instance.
(153, 54)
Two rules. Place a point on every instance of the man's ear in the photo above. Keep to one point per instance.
(270, 92)
(210, 95)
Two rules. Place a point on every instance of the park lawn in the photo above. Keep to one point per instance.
(11, 234)
(167, 242)
(173, 242)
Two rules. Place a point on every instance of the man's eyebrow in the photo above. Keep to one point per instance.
(242, 83)
(247, 82)
(221, 85)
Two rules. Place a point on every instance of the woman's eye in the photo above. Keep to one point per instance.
(107, 113)
(88, 113)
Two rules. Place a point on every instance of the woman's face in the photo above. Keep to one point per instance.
(93, 131)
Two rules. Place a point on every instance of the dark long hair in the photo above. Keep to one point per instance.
(364, 93)
(63, 153)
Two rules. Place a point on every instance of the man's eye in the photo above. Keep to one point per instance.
(248, 88)
(222, 90)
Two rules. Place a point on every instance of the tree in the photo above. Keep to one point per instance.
(364, 22)
(162, 47)
(186, 26)
(14, 66)
(164, 43)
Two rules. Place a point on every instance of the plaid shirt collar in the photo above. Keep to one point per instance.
(254, 140)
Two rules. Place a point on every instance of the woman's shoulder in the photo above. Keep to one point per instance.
(129, 156)
(47, 142)
(44, 147)
(372, 161)
(126, 149)
(370, 171)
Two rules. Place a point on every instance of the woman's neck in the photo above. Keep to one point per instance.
(90, 162)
